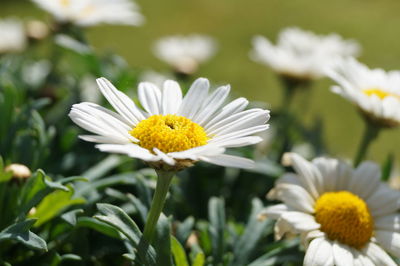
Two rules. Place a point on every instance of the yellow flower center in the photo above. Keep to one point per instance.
(380, 93)
(345, 217)
(169, 133)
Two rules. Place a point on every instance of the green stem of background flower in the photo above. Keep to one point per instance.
(163, 182)
(370, 133)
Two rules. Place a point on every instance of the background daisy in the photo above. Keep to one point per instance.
(172, 131)
(345, 216)
(92, 12)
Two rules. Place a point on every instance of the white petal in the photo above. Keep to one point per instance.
(232, 108)
(211, 105)
(365, 179)
(101, 121)
(239, 134)
(229, 161)
(274, 212)
(319, 253)
(171, 97)
(104, 139)
(341, 254)
(388, 223)
(377, 255)
(308, 174)
(194, 98)
(164, 157)
(383, 201)
(195, 153)
(121, 103)
(296, 197)
(132, 150)
(150, 97)
(239, 121)
(390, 241)
(238, 142)
(300, 221)
(329, 171)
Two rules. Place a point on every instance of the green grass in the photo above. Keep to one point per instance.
(234, 22)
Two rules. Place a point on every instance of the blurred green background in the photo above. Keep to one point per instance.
(374, 24)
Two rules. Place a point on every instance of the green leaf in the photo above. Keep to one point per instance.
(53, 204)
(163, 243)
(199, 259)
(178, 253)
(98, 226)
(247, 243)
(20, 232)
(184, 229)
(70, 217)
(216, 214)
(117, 218)
(37, 188)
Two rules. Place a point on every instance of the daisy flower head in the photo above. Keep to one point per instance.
(345, 216)
(185, 53)
(375, 92)
(92, 12)
(171, 132)
(13, 36)
(301, 55)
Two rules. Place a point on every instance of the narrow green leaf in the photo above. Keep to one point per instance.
(216, 213)
(199, 260)
(117, 218)
(162, 245)
(20, 232)
(254, 230)
(184, 229)
(178, 253)
(98, 226)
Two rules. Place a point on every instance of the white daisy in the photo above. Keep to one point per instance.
(301, 54)
(185, 53)
(374, 91)
(13, 36)
(345, 216)
(93, 12)
(172, 131)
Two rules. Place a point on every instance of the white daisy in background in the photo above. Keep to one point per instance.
(374, 91)
(301, 54)
(345, 216)
(93, 12)
(154, 77)
(185, 53)
(12, 36)
(172, 132)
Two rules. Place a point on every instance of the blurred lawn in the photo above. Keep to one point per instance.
(373, 23)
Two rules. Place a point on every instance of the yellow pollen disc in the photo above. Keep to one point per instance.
(345, 217)
(169, 133)
(380, 93)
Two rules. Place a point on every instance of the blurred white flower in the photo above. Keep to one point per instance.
(172, 132)
(185, 53)
(89, 90)
(345, 216)
(154, 77)
(34, 73)
(93, 12)
(12, 36)
(301, 54)
(70, 43)
(374, 91)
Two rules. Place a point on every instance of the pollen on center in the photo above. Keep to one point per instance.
(169, 133)
(345, 217)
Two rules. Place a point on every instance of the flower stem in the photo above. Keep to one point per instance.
(370, 133)
(157, 205)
